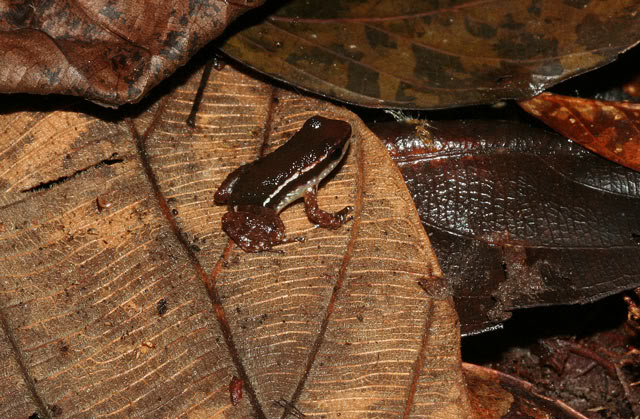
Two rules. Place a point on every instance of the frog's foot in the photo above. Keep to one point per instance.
(323, 218)
(285, 240)
(256, 231)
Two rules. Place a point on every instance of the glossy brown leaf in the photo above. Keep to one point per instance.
(145, 308)
(419, 54)
(519, 217)
(109, 52)
(611, 129)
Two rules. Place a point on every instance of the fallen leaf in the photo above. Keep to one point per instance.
(108, 52)
(335, 325)
(611, 129)
(518, 216)
(417, 54)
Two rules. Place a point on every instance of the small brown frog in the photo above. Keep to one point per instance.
(256, 192)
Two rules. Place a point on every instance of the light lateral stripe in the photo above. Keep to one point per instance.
(298, 192)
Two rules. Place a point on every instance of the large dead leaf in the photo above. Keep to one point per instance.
(423, 54)
(120, 294)
(518, 216)
(109, 52)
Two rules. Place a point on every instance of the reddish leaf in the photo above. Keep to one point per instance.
(109, 52)
(520, 217)
(419, 54)
(611, 129)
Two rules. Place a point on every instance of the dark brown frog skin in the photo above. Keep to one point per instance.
(256, 192)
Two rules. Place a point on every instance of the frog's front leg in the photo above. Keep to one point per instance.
(320, 217)
(255, 229)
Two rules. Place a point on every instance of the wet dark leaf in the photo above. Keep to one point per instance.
(520, 217)
(418, 54)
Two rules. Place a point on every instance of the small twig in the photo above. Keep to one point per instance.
(191, 119)
(588, 353)
(289, 409)
(586, 370)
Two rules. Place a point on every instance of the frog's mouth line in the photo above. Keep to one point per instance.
(299, 191)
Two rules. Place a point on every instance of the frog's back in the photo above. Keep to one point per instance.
(282, 176)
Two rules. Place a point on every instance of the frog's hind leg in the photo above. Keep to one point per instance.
(323, 218)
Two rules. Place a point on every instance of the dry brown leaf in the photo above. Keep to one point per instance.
(120, 294)
(108, 52)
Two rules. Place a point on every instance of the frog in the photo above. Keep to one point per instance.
(255, 193)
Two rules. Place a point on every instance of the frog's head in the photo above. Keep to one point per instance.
(326, 138)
